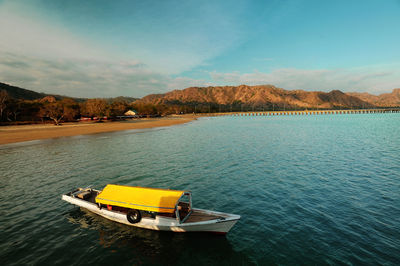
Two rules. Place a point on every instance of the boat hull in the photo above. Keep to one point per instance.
(221, 225)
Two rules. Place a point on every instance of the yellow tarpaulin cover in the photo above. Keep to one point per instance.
(147, 199)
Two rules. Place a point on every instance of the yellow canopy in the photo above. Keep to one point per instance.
(147, 199)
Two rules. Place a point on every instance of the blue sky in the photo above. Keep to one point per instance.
(134, 48)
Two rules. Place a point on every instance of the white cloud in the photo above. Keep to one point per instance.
(169, 47)
(48, 58)
(87, 77)
(44, 55)
(27, 35)
(185, 82)
(107, 78)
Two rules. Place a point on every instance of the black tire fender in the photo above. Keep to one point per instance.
(134, 216)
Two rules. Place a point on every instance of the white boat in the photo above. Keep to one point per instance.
(150, 208)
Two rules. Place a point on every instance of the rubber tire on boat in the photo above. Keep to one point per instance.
(134, 216)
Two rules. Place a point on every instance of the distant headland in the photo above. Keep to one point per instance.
(18, 104)
(35, 110)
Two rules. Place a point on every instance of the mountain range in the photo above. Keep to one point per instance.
(24, 94)
(268, 95)
(384, 100)
(19, 93)
(265, 96)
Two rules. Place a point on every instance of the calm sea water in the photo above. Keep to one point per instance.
(310, 190)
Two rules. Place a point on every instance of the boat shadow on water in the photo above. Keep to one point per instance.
(148, 246)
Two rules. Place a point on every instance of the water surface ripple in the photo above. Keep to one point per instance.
(310, 189)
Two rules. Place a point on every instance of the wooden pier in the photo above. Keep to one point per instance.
(304, 112)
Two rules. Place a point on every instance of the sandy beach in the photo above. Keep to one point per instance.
(13, 134)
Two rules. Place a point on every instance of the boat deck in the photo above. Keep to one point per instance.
(196, 215)
(93, 196)
(201, 216)
(90, 195)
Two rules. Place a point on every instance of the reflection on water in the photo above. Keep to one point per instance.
(148, 246)
(311, 190)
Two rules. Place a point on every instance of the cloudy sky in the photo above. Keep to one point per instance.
(133, 48)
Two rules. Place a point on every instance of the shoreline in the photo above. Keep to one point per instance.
(22, 133)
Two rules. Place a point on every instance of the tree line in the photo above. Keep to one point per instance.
(67, 109)
(14, 111)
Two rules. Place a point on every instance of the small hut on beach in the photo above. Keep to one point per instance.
(130, 113)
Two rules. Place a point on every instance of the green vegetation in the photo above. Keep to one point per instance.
(50, 109)
(19, 105)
